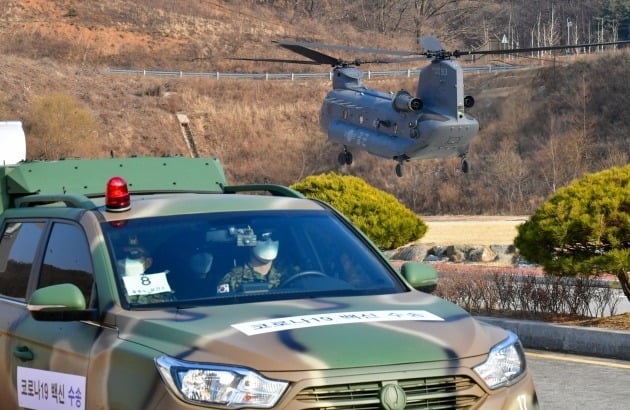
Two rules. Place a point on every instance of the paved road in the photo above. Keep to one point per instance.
(579, 382)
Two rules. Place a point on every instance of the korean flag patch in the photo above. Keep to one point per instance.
(223, 288)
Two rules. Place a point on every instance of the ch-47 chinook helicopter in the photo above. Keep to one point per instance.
(400, 126)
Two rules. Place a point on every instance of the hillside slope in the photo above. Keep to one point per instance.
(540, 128)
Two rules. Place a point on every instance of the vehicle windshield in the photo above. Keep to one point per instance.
(240, 257)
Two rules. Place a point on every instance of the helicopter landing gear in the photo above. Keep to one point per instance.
(345, 157)
(465, 165)
(400, 167)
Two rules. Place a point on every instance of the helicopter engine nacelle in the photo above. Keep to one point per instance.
(405, 102)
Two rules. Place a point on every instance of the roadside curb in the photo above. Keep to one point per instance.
(590, 341)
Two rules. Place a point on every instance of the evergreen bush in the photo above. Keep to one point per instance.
(387, 222)
(584, 229)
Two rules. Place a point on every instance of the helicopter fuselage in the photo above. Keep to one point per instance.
(432, 124)
(399, 126)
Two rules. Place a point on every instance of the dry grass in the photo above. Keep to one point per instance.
(617, 322)
(471, 230)
(270, 130)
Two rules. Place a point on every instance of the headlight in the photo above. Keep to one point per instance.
(505, 363)
(228, 386)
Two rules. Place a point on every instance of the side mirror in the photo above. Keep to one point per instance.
(63, 302)
(421, 276)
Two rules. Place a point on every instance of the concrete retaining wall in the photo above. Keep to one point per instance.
(591, 341)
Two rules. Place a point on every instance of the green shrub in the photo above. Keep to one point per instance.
(583, 229)
(387, 222)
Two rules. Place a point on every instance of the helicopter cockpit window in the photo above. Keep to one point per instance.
(235, 257)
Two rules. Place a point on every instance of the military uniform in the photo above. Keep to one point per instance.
(241, 278)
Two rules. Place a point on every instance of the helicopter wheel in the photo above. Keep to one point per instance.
(400, 169)
(465, 166)
(341, 158)
(345, 158)
(348, 158)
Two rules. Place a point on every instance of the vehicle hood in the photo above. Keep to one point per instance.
(310, 334)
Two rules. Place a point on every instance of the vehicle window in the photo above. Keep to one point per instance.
(237, 257)
(67, 259)
(17, 252)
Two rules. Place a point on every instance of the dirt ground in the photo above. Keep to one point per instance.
(471, 230)
(619, 322)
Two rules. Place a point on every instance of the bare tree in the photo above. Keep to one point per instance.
(509, 173)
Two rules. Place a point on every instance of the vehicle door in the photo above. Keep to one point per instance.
(50, 359)
(18, 245)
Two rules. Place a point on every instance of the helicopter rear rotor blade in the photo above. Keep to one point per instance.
(430, 43)
(458, 53)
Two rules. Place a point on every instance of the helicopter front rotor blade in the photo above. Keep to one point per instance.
(389, 60)
(275, 60)
(458, 53)
(320, 58)
(349, 48)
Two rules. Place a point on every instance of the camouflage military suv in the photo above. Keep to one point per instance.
(150, 283)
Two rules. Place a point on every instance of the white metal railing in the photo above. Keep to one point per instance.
(216, 75)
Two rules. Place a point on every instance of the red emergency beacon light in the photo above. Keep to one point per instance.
(117, 197)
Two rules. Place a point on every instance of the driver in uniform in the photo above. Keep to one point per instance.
(258, 274)
(137, 263)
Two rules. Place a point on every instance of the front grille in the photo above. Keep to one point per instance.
(448, 392)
